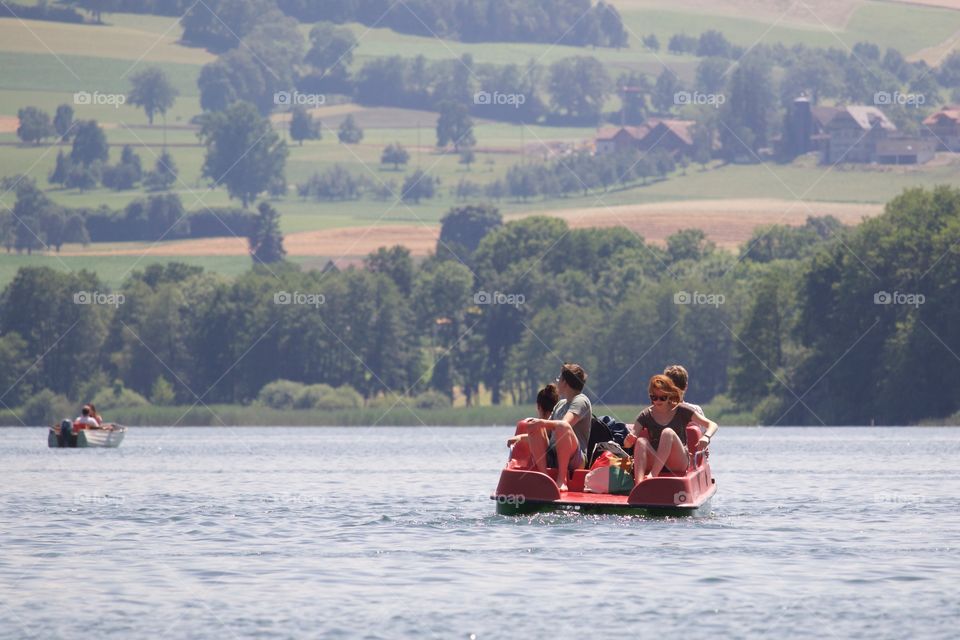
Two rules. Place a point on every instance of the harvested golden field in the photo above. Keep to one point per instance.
(729, 223)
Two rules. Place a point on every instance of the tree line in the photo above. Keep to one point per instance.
(37, 223)
(804, 324)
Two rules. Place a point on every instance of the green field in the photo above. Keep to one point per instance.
(112, 270)
(907, 28)
(101, 58)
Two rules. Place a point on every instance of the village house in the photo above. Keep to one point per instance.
(943, 127)
(672, 136)
(853, 133)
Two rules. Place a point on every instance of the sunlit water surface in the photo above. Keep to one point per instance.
(390, 532)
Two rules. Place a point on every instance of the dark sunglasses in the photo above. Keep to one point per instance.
(654, 398)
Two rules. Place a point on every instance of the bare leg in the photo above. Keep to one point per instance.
(642, 452)
(670, 453)
(566, 442)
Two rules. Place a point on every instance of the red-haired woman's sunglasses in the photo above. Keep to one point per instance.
(654, 398)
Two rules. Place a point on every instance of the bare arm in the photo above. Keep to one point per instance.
(709, 428)
(550, 425)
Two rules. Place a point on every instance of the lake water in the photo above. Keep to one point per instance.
(390, 532)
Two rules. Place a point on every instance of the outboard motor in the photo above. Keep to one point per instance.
(66, 438)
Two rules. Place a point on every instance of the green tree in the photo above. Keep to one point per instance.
(454, 126)
(75, 230)
(395, 263)
(13, 352)
(467, 157)
(349, 131)
(331, 49)
(152, 91)
(713, 43)
(63, 336)
(634, 88)
(462, 229)
(749, 110)
(266, 241)
(396, 155)
(703, 137)
(53, 223)
(61, 169)
(84, 176)
(221, 24)
(243, 151)
(30, 206)
(689, 244)
(161, 393)
(442, 293)
(63, 121)
(127, 173)
(302, 126)
(511, 260)
(418, 186)
(712, 75)
(164, 173)
(665, 90)
(89, 144)
(579, 87)
(34, 125)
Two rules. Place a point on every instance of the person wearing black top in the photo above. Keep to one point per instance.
(666, 421)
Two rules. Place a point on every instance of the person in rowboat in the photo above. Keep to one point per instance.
(665, 421)
(96, 416)
(85, 420)
(561, 440)
(547, 399)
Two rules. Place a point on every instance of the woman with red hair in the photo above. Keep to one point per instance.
(665, 421)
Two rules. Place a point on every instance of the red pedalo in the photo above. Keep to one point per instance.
(523, 489)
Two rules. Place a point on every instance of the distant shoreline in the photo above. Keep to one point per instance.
(398, 416)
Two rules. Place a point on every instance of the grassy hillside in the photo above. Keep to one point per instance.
(45, 63)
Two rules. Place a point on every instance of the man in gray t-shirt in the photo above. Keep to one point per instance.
(562, 440)
(580, 407)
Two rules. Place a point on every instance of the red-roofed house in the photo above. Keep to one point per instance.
(944, 127)
(672, 136)
(616, 139)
